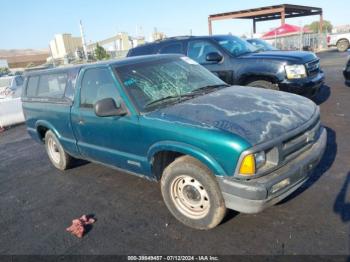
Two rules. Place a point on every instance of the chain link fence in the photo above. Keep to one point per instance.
(305, 41)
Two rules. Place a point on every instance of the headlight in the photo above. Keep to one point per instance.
(260, 159)
(295, 71)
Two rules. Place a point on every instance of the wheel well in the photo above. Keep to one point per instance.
(161, 160)
(42, 131)
(343, 39)
(248, 79)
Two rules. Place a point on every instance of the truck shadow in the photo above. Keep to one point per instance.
(325, 164)
(323, 95)
(78, 162)
(342, 207)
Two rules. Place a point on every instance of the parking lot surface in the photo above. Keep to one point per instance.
(38, 202)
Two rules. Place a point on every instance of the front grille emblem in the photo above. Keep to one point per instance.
(314, 66)
(310, 137)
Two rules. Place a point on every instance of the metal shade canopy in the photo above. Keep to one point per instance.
(269, 13)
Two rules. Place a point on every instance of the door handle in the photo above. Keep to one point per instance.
(81, 122)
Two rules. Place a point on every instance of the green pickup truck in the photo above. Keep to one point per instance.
(168, 119)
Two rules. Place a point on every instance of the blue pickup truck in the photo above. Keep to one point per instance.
(164, 117)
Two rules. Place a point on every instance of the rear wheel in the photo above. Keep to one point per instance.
(58, 157)
(192, 194)
(343, 45)
(263, 84)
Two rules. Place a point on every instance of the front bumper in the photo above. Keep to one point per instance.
(257, 194)
(307, 86)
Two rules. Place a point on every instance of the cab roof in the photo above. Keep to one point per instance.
(178, 38)
(113, 62)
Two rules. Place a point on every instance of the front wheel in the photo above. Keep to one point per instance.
(58, 157)
(264, 84)
(343, 45)
(192, 194)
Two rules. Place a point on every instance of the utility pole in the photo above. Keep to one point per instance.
(141, 31)
(83, 40)
(301, 36)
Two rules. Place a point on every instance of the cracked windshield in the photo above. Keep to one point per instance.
(153, 84)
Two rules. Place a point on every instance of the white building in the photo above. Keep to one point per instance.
(3, 63)
(64, 45)
(120, 42)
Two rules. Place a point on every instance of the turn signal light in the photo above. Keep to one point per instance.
(247, 166)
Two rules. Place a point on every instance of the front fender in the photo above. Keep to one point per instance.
(186, 149)
(260, 69)
(253, 76)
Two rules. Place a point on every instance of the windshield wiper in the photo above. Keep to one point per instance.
(163, 99)
(180, 97)
(203, 89)
(172, 97)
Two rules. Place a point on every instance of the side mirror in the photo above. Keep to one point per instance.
(214, 57)
(108, 107)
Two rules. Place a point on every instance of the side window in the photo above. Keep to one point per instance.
(175, 48)
(19, 80)
(198, 50)
(256, 44)
(97, 84)
(72, 79)
(52, 85)
(32, 86)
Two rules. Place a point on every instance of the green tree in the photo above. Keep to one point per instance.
(315, 26)
(101, 53)
(4, 71)
(30, 65)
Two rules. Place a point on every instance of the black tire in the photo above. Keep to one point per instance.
(263, 84)
(343, 45)
(204, 181)
(59, 158)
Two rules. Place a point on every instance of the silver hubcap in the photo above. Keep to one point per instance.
(190, 197)
(53, 150)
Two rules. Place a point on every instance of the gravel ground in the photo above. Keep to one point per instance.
(37, 202)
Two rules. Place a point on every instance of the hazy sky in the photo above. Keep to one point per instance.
(32, 23)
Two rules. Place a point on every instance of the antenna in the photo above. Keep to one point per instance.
(140, 30)
(83, 40)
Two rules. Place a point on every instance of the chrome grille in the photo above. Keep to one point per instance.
(313, 67)
(301, 142)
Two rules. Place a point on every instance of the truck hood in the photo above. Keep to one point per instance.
(257, 115)
(297, 57)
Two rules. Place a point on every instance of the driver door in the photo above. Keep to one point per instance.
(110, 140)
(198, 51)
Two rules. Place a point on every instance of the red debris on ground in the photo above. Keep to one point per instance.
(78, 227)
